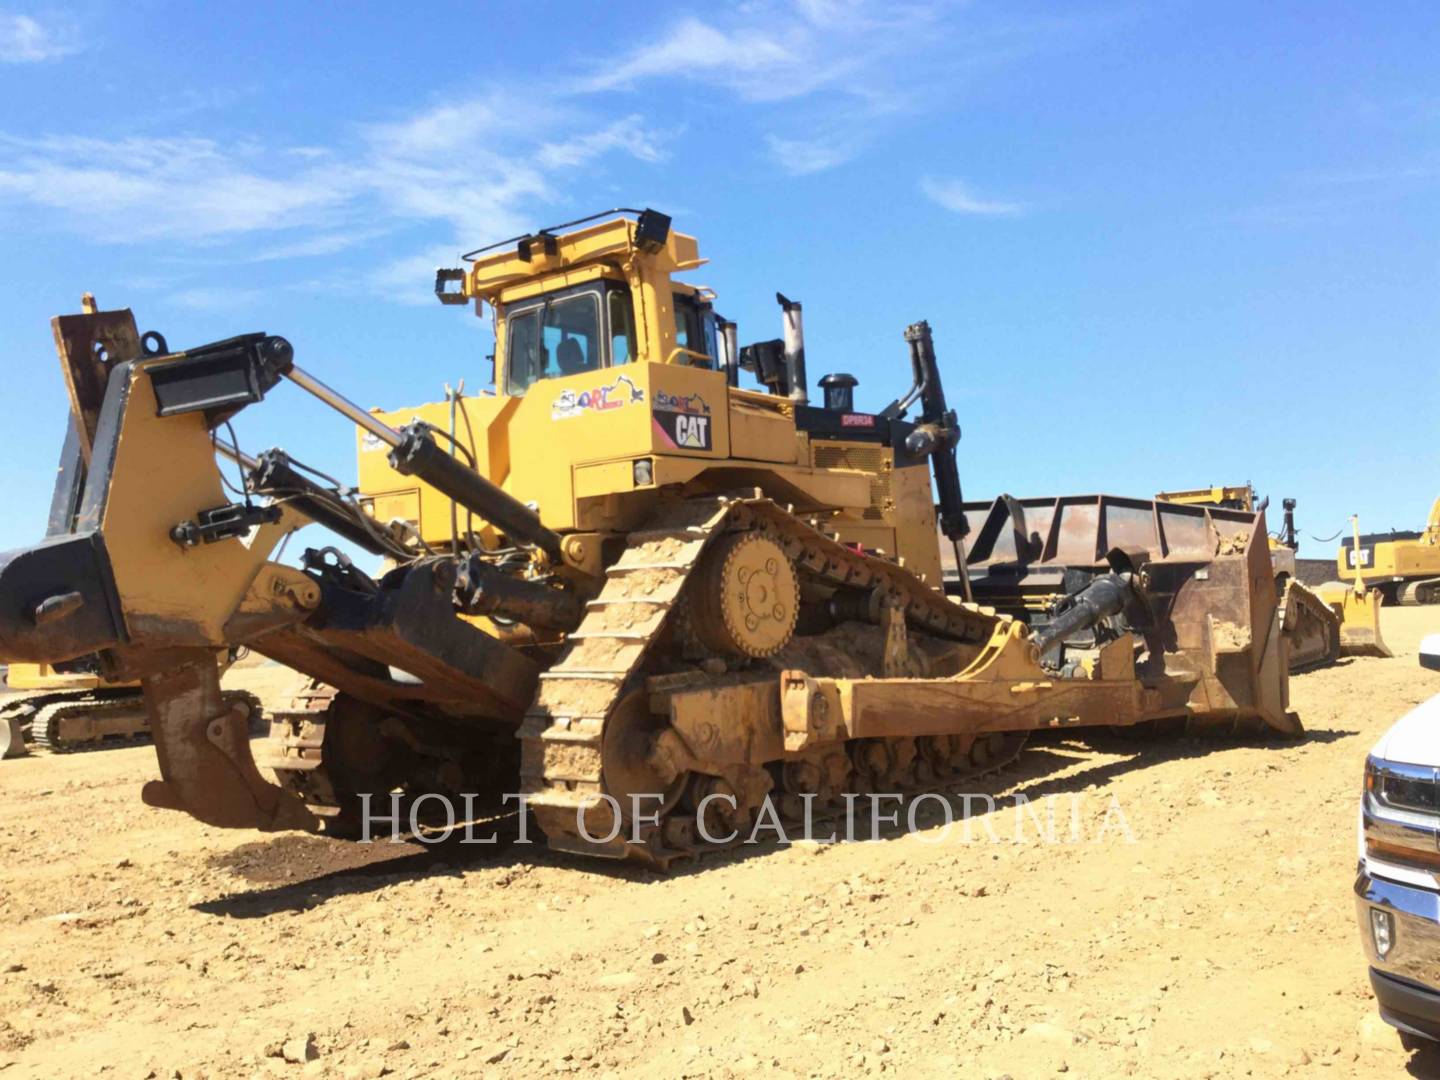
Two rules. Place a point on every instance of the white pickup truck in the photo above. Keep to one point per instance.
(1397, 892)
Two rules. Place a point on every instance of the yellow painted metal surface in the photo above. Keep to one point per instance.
(1239, 498)
(570, 444)
(1359, 611)
(913, 516)
(174, 595)
(45, 677)
(605, 250)
(604, 478)
(762, 427)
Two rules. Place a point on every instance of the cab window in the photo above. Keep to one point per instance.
(622, 326)
(687, 323)
(556, 338)
(690, 331)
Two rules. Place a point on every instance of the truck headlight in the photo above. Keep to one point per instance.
(1382, 930)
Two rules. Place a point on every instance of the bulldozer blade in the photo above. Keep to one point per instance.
(12, 738)
(1359, 619)
(204, 749)
(1210, 586)
(1311, 628)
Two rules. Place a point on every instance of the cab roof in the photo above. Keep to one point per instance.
(613, 244)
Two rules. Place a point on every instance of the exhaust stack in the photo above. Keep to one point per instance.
(730, 351)
(794, 349)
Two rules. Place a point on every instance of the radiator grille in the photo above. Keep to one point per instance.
(870, 459)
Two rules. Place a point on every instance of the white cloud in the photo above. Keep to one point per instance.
(800, 157)
(629, 134)
(825, 76)
(483, 165)
(955, 195)
(322, 243)
(749, 60)
(465, 123)
(411, 279)
(820, 72)
(24, 40)
(147, 188)
(473, 165)
(821, 77)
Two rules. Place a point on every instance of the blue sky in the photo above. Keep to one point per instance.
(1164, 244)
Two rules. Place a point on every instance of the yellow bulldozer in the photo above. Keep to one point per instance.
(659, 604)
(1321, 623)
(1403, 566)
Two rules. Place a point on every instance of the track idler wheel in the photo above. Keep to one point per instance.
(635, 776)
(746, 597)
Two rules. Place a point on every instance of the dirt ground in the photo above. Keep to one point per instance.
(1220, 942)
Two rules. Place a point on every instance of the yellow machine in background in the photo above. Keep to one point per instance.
(1403, 566)
(53, 709)
(78, 709)
(651, 600)
(1321, 623)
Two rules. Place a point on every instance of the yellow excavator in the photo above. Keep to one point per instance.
(657, 603)
(1321, 623)
(64, 709)
(58, 710)
(1403, 566)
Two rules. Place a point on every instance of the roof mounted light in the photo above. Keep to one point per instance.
(444, 278)
(525, 249)
(652, 230)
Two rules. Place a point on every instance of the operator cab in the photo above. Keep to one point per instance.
(568, 332)
(584, 328)
(600, 297)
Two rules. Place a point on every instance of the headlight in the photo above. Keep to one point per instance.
(1415, 788)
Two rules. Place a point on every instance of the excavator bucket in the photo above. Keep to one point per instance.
(1359, 614)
